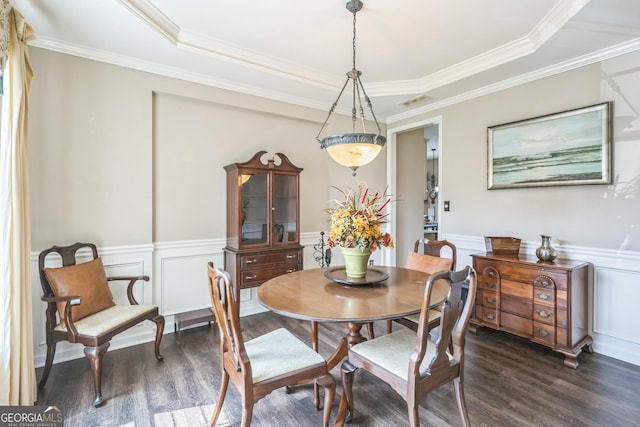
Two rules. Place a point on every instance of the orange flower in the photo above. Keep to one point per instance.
(355, 220)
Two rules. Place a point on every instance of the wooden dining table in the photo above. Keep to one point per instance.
(321, 295)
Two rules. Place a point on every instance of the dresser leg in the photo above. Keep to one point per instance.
(571, 356)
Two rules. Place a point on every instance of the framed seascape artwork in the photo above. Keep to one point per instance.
(568, 148)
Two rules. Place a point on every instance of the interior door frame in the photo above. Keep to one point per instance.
(392, 133)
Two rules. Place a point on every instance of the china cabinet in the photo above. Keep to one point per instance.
(263, 219)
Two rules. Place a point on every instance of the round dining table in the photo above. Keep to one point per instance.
(325, 295)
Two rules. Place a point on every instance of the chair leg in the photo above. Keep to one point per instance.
(95, 356)
(159, 321)
(412, 409)
(370, 330)
(247, 410)
(348, 371)
(314, 345)
(389, 326)
(462, 406)
(51, 351)
(224, 383)
(329, 385)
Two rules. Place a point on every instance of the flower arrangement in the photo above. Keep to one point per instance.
(355, 220)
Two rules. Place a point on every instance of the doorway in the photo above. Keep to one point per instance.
(407, 181)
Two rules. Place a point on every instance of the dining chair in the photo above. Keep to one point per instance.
(439, 248)
(427, 264)
(409, 361)
(261, 365)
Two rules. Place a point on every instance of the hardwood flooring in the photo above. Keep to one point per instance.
(508, 382)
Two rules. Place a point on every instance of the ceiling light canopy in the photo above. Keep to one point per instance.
(353, 149)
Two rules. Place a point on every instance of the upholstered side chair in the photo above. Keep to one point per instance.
(80, 308)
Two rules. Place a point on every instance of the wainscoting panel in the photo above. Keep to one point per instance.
(612, 299)
(178, 284)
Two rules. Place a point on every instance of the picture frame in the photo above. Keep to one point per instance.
(568, 148)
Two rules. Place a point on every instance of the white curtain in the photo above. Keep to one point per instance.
(17, 373)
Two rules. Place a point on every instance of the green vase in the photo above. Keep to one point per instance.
(355, 262)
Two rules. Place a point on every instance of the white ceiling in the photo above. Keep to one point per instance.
(299, 51)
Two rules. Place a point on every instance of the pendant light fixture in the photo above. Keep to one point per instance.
(357, 148)
(432, 185)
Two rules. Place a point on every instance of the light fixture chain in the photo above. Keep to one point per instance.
(354, 41)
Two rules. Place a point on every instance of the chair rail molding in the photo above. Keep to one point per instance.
(178, 282)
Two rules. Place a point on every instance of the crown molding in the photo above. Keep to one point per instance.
(553, 21)
(581, 61)
(152, 16)
(177, 73)
(538, 36)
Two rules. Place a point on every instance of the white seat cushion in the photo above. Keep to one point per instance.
(433, 315)
(279, 352)
(392, 352)
(112, 317)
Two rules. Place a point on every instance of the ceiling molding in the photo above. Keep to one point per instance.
(591, 58)
(206, 46)
(177, 73)
(152, 16)
(540, 34)
(553, 21)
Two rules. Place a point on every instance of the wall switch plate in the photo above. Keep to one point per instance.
(447, 206)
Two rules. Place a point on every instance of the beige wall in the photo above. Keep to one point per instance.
(123, 157)
(593, 216)
(410, 191)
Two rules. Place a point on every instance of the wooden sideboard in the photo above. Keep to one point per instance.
(545, 302)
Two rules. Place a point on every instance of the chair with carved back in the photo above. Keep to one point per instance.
(263, 364)
(80, 307)
(429, 260)
(440, 248)
(410, 361)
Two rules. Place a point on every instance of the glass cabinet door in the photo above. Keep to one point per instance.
(255, 214)
(285, 208)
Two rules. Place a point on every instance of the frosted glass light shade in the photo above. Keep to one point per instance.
(353, 149)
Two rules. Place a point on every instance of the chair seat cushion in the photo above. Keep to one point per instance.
(110, 318)
(87, 281)
(433, 315)
(392, 352)
(279, 352)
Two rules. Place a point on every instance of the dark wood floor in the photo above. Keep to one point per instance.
(508, 382)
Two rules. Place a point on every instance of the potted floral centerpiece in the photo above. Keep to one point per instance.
(355, 226)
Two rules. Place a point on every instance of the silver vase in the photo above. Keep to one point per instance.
(545, 252)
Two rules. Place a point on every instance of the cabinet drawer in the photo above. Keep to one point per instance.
(256, 276)
(516, 324)
(487, 316)
(545, 276)
(253, 260)
(516, 289)
(487, 282)
(489, 299)
(541, 277)
(544, 334)
(544, 314)
(544, 296)
(518, 306)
